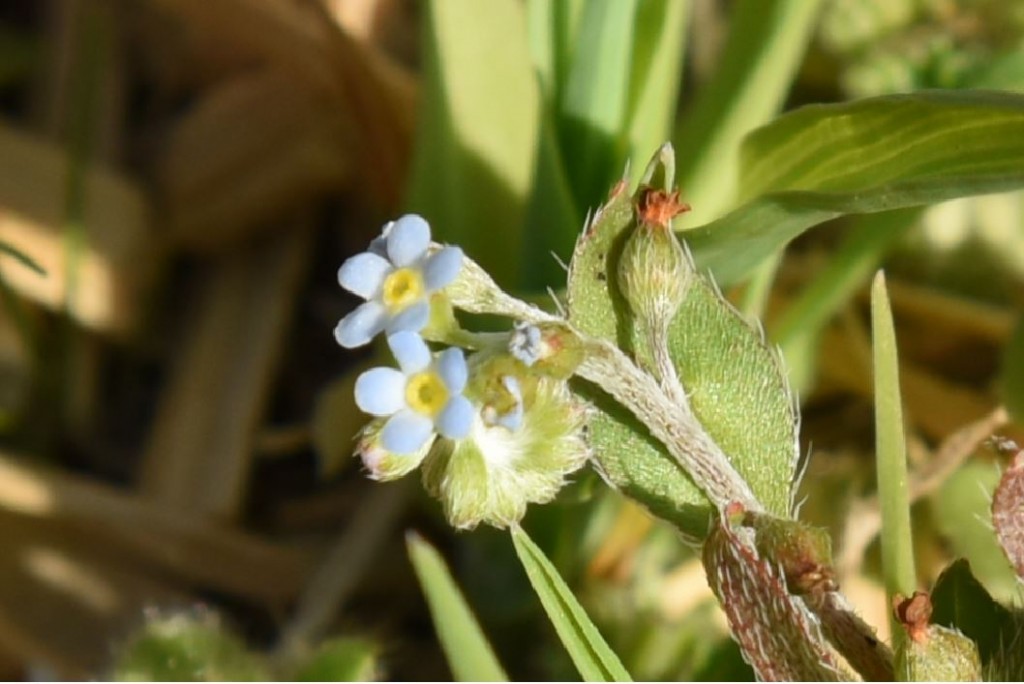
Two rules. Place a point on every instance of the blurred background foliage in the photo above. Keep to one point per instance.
(179, 181)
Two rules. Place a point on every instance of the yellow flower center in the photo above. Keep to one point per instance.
(425, 393)
(401, 288)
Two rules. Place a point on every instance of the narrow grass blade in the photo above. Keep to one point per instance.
(763, 50)
(656, 76)
(891, 452)
(594, 101)
(594, 659)
(478, 126)
(469, 654)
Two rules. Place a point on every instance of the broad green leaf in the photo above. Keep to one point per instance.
(594, 102)
(345, 659)
(962, 509)
(961, 602)
(735, 382)
(891, 451)
(1012, 373)
(823, 161)
(763, 50)
(477, 129)
(590, 653)
(189, 648)
(625, 452)
(468, 652)
(656, 75)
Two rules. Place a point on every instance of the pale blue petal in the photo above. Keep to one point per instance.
(456, 419)
(361, 326)
(514, 418)
(411, 352)
(441, 268)
(525, 343)
(363, 274)
(380, 391)
(405, 432)
(414, 318)
(408, 240)
(379, 244)
(451, 366)
(511, 420)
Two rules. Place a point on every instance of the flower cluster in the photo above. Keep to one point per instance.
(495, 431)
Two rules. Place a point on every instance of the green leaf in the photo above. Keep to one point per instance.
(656, 75)
(891, 452)
(595, 99)
(190, 648)
(552, 217)
(345, 659)
(552, 27)
(734, 380)
(626, 453)
(823, 161)
(961, 602)
(477, 129)
(468, 652)
(766, 41)
(592, 656)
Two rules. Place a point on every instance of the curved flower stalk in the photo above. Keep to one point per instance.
(396, 276)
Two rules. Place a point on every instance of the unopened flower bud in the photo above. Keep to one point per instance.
(551, 349)
(932, 652)
(383, 465)
(653, 270)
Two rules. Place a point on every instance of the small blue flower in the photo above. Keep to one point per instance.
(423, 396)
(396, 277)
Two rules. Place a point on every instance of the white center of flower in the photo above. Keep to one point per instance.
(426, 393)
(401, 288)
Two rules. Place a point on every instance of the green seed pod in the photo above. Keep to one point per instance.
(932, 653)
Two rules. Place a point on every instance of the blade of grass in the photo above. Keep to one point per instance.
(552, 26)
(591, 654)
(468, 652)
(594, 101)
(477, 129)
(656, 76)
(553, 218)
(891, 454)
(762, 52)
